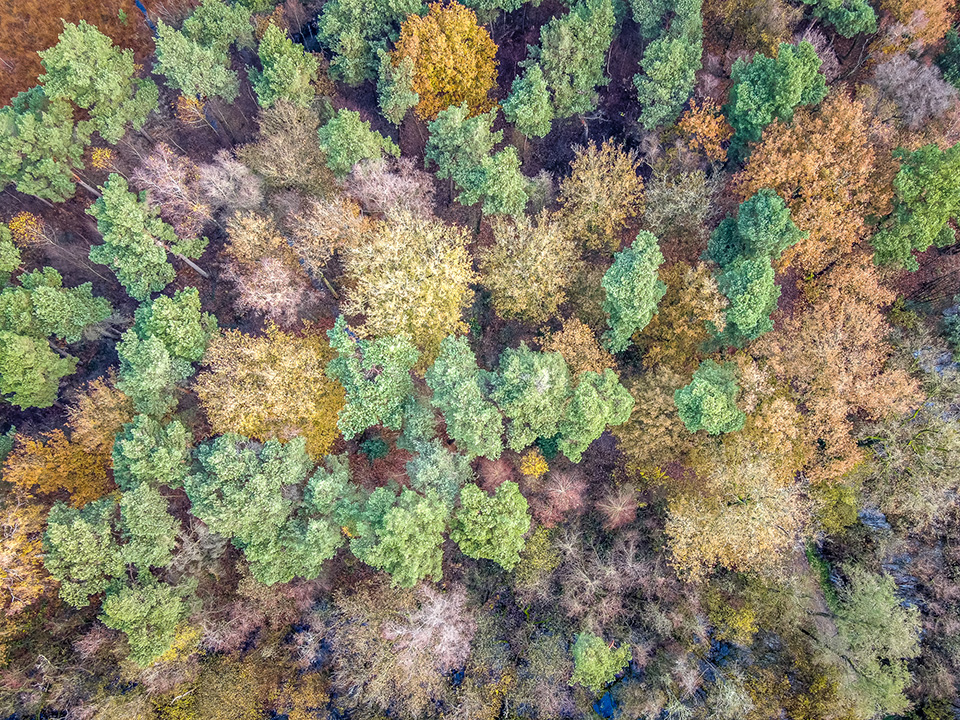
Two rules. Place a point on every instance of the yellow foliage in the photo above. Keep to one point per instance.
(272, 386)
(533, 464)
(579, 347)
(185, 643)
(253, 237)
(53, 463)
(453, 59)
(101, 158)
(28, 229)
(98, 414)
(704, 129)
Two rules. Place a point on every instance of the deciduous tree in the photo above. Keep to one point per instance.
(579, 347)
(52, 463)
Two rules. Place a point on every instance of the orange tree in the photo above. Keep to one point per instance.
(453, 59)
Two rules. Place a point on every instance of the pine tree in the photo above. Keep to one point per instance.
(30, 371)
(347, 139)
(288, 72)
(150, 453)
(633, 290)
(709, 402)
(492, 528)
(598, 401)
(528, 106)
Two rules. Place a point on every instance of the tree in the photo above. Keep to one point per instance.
(135, 240)
(53, 463)
(491, 528)
(926, 200)
(288, 72)
(85, 68)
(460, 393)
(877, 636)
(595, 663)
(148, 613)
(375, 375)
(453, 59)
(917, 90)
(80, 550)
(174, 188)
(178, 323)
(9, 255)
(767, 89)
(412, 276)
(148, 373)
(633, 290)
(22, 576)
(598, 401)
(571, 55)
(271, 386)
(148, 453)
(709, 402)
(927, 21)
(529, 268)
(601, 194)
(401, 534)
(30, 371)
(532, 389)
(750, 287)
(704, 129)
(461, 147)
(529, 105)
(346, 140)
(355, 32)
(849, 17)
(826, 168)
(195, 69)
(395, 93)
(40, 146)
(435, 469)
(150, 531)
(579, 347)
(763, 228)
(41, 306)
(949, 60)
(654, 435)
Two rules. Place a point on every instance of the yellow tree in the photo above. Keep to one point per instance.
(578, 345)
(453, 59)
(411, 276)
(272, 386)
(52, 463)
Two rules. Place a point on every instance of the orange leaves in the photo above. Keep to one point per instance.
(704, 129)
(453, 58)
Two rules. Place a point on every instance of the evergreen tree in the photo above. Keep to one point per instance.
(750, 286)
(178, 323)
(529, 106)
(288, 72)
(848, 17)
(147, 452)
(435, 469)
(492, 528)
(9, 255)
(347, 139)
(763, 228)
(149, 530)
(148, 374)
(709, 402)
(598, 401)
(395, 93)
(30, 371)
(148, 613)
(633, 290)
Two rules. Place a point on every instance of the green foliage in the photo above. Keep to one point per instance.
(926, 200)
(288, 72)
(750, 287)
(532, 389)
(434, 469)
(346, 139)
(30, 371)
(949, 60)
(419, 424)
(39, 146)
(147, 452)
(150, 531)
(709, 402)
(9, 255)
(395, 93)
(572, 54)
(598, 401)
(217, 25)
(134, 239)
(460, 393)
(85, 68)
(529, 106)
(763, 228)
(461, 147)
(767, 89)
(178, 323)
(331, 494)
(41, 306)
(402, 535)
(148, 614)
(633, 290)
(356, 30)
(148, 375)
(80, 550)
(491, 527)
(849, 17)
(595, 663)
(877, 635)
(375, 375)
(375, 448)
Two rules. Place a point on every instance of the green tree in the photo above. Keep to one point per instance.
(346, 139)
(80, 549)
(9, 255)
(40, 146)
(749, 285)
(767, 89)
(492, 527)
(926, 200)
(633, 290)
(356, 30)
(848, 17)
(402, 535)
(86, 69)
(763, 228)
(148, 614)
(41, 306)
(529, 105)
(709, 402)
(288, 72)
(595, 663)
(194, 69)
(532, 389)
(30, 371)
(460, 392)
(148, 375)
(217, 25)
(435, 469)
(572, 54)
(149, 530)
(178, 323)
(949, 60)
(598, 401)
(375, 375)
(462, 147)
(395, 93)
(147, 452)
